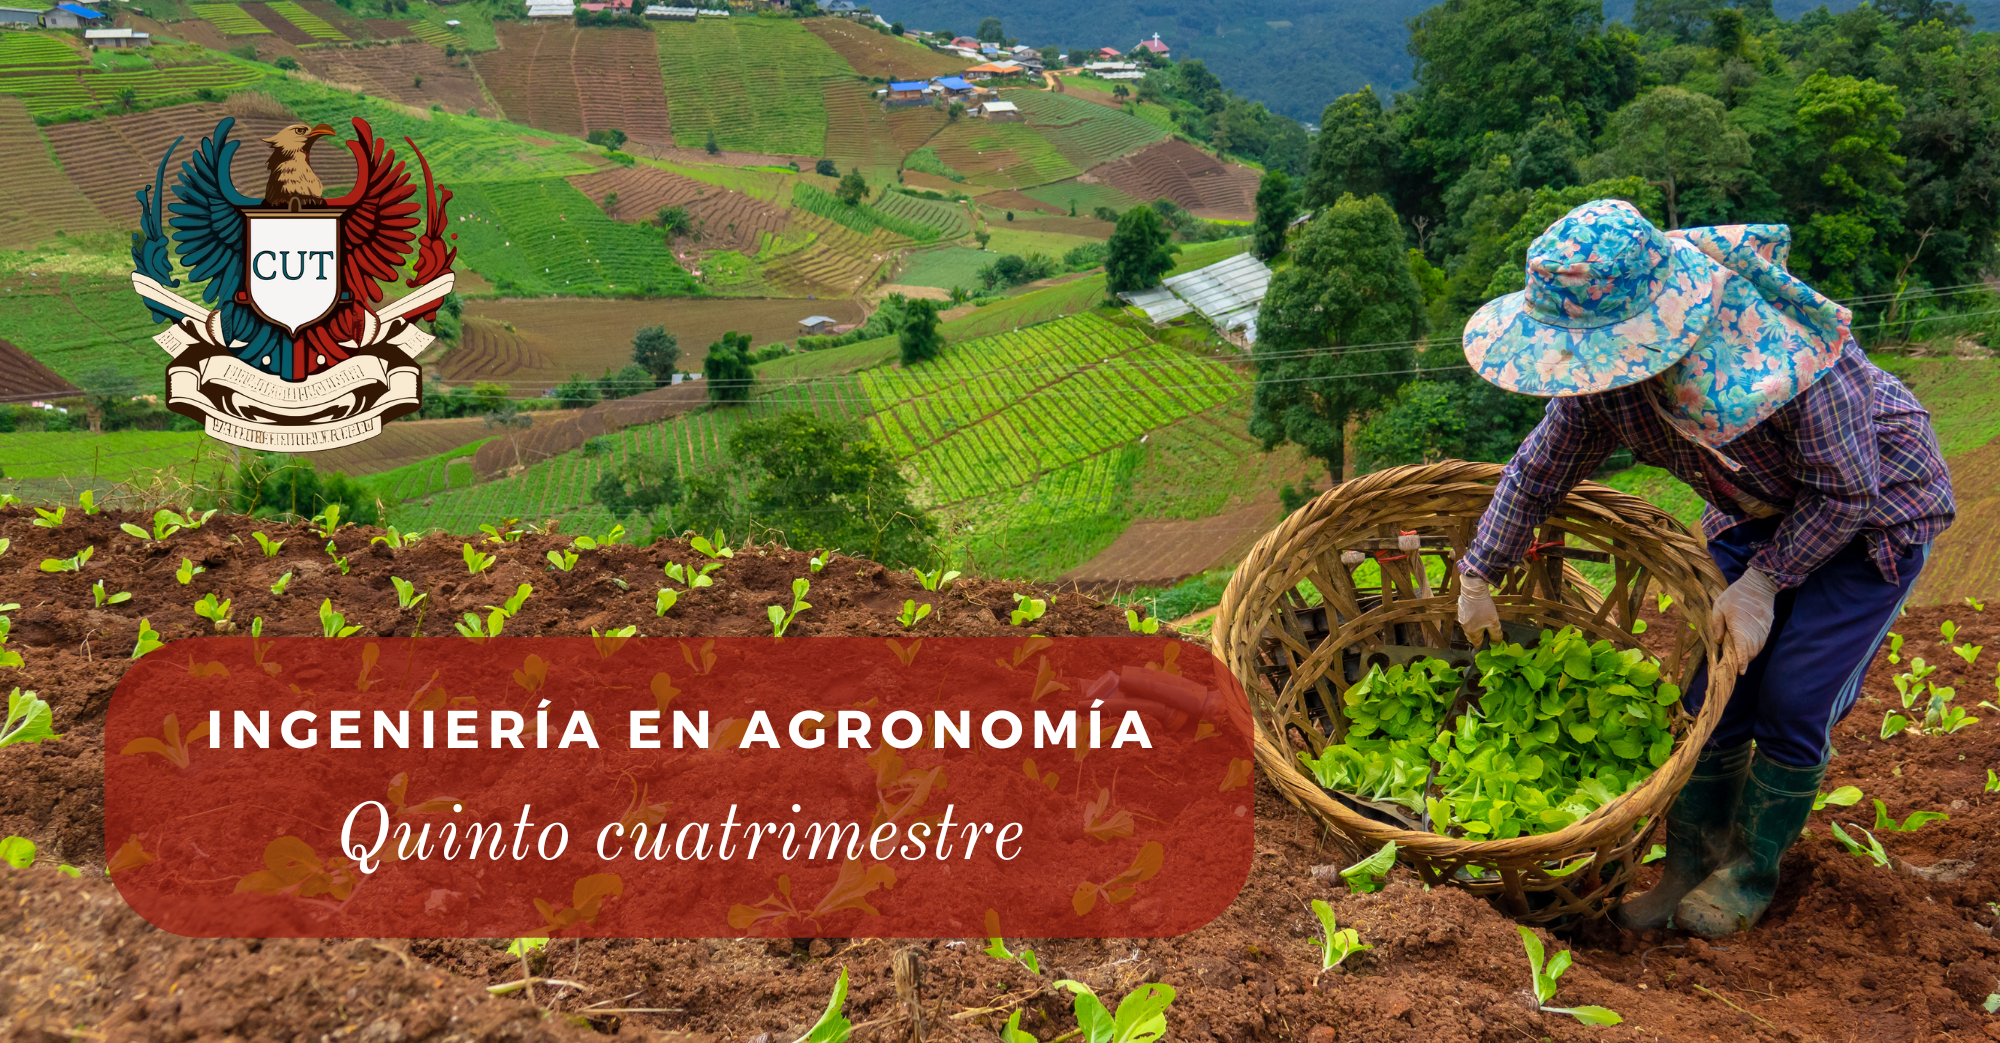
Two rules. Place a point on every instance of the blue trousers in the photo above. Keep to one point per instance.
(1825, 634)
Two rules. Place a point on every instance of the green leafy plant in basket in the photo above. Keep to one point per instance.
(1558, 730)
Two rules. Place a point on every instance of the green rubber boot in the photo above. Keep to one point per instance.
(1774, 808)
(1698, 836)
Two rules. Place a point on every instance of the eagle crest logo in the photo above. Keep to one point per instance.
(291, 346)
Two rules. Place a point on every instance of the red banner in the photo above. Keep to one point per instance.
(628, 787)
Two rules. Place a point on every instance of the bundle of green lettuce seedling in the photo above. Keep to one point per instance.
(1557, 731)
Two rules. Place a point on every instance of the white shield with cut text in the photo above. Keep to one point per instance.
(292, 264)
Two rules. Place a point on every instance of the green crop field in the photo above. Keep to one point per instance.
(229, 19)
(27, 49)
(425, 477)
(39, 457)
(1959, 394)
(1003, 155)
(946, 267)
(1007, 240)
(1086, 197)
(314, 26)
(545, 237)
(945, 217)
(861, 217)
(1085, 133)
(82, 325)
(434, 34)
(459, 148)
(759, 84)
(46, 93)
(992, 413)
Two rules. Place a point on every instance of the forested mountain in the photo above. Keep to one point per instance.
(1292, 55)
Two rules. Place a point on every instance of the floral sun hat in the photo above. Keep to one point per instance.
(1612, 301)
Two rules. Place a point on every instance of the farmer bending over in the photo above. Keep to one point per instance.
(1700, 353)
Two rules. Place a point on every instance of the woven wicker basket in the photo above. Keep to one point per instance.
(1295, 661)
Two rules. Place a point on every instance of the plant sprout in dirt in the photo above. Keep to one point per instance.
(333, 624)
(1148, 625)
(149, 639)
(216, 612)
(1336, 943)
(278, 588)
(29, 719)
(562, 560)
(1141, 1015)
(188, 571)
(936, 579)
(73, 563)
(1026, 610)
(475, 561)
(339, 562)
(1872, 851)
(781, 619)
(687, 576)
(406, 592)
(714, 548)
(1545, 983)
(496, 616)
(166, 523)
(1368, 875)
(50, 519)
(1844, 797)
(912, 613)
(104, 598)
(271, 547)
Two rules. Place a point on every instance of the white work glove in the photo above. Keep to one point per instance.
(1477, 615)
(1741, 620)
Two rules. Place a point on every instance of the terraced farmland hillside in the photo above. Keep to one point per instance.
(532, 75)
(37, 198)
(757, 84)
(836, 261)
(617, 76)
(1002, 155)
(874, 54)
(545, 237)
(413, 73)
(47, 90)
(1033, 438)
(857, 131)
(460, 148)
(1085, 134)
(1178, 171)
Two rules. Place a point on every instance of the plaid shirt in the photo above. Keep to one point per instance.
(1854, 454)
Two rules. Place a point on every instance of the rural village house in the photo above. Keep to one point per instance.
(999, 111)
(117, 38)
(1154, 45)
(70, 16)
(20, 15)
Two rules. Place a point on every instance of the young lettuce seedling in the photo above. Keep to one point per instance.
(1148, 625)
(1845, 797)
(475, 562)
(29, 719)
(688, 577)
(271, 546)
(4, 544)
(103, 598)
(781, 620)
(1141, 1017)
(188, 571)
(1895, 649)
(1367, 875)
(1336, 943)
(562, 560)
(50, 519)
(406, 592)
(149, 639)
(165, 524)
(1975, 604)
(997, 949)
(831, 1026)
(284, 581)
(935, 579)
(1969, 653)
(397, 540)
(819, 559)
(216, 612)
(524, 946)
(1872, 851)
(1950, 631)
(1916, 821)
(339, 562)
(333, 624)
(70, 564)
(712, 548)
(1027, 610)
(18, 852)
(664, 601)
(912, 613)
(1545, 983)
(609, 539)
(328, 520)
(1992, 781)
(88, 499)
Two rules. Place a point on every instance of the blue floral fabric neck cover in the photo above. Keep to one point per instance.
(1612, 301)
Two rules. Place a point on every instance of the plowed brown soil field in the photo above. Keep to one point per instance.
(556, 338)
(617, 75)
(532, 75)
(642, 191)
(23, 379)
(340, 18)
(37, 198)
(1850, 951)
(279, 26)
(874, 54)
(111, 158)
(1154, 552)
(1196, 180)
(394, 71)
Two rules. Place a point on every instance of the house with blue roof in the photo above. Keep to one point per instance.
(71, 16)
(954, 86)
(906, 92)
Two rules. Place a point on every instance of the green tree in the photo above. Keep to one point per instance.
(1682, 143)
(853, 187)
(821, 482)
(1431, 420)
(1483, 67)
(825, 168)
(1683, 21)
(643, 486)
(273, 484)
(673, 221)
(919, 338)
(610, 138)
(657, 352)
(711, 145)
(1275, 209)
(578, 392)
(1356, 151)
(1847, 199)
(1139, 253)
(727, 369)
(1350, 284)
(628, 381)
(990, 31)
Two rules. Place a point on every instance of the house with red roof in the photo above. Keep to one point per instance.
(1155, 45)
